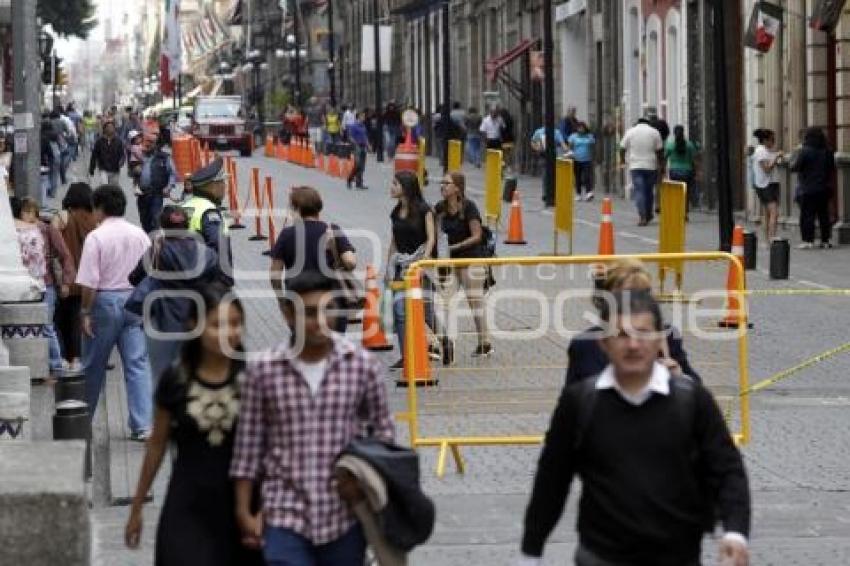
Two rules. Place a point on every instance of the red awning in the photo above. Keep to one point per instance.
(494, 65)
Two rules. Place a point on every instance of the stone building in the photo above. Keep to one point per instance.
(804, 80)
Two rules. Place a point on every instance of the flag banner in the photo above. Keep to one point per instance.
(826, 14)
(367, 52)
(171, 50)
(765, 25)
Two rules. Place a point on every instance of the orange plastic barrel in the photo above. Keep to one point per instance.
(407, 158)
(181, 153)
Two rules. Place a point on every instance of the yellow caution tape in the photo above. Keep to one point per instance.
(784, 374)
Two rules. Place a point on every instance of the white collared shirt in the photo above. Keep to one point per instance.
(659, 382)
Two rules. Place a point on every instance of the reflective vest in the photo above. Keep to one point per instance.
(332, 121)
(197, 206)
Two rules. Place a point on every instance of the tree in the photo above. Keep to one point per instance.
(68, 17)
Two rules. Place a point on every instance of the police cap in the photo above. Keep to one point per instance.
(209, 174)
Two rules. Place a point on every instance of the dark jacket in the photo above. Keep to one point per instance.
(169, 314)
(107, 155)
(408, 518)
(585, 357)
(814, 168)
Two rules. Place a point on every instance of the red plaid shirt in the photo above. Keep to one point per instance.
(290, 438)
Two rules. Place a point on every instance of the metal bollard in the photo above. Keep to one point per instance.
(71, 422)
(780, 259)
(751, 242)
(70, 384)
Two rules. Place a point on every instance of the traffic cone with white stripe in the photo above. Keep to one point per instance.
(417, 362)
(515, 232)
(373, 335)
(606, 229)
(733, 302)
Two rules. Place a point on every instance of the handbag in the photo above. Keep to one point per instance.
(352, 292)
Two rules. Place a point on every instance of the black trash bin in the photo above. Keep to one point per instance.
(751, 242)
(780, 258)
(509, 188)
(72, 422)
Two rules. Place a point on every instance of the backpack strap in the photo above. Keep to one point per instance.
(588, 395)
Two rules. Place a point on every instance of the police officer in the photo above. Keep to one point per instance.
(208, 188)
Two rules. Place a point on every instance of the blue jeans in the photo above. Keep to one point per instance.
(643, 182)
(150, 207)
(686, 177)
(391, 141)
(284, 547)
(112, 325)
(473, 150)
(55, 353)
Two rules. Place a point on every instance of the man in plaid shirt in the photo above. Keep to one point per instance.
(303, 402)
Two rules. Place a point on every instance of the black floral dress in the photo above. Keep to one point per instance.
(197, 525)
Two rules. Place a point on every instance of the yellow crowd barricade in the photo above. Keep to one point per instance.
(565, 184)
(423, 147)
(673, 196)
(493, 186)
(507, 399)
(455, 156)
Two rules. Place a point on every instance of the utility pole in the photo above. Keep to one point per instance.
(724, 170)
(376, 28)
(331, 54)
(447, 84)
(549, 103)
(27, 90)
(53, 72)
(297, 31)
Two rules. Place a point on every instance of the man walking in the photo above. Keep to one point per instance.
(359, 138)
(643, 150)
(302, 403)
(110, 253)
(108, 155)
(491, 128)
(156, 180)
(657, 463)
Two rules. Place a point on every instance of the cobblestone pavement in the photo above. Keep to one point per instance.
(797, 459)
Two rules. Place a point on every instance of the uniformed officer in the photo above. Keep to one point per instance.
(208, 188)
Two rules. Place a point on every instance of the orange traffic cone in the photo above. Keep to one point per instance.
(417, 363)
(606, 229)
(733, 301)
(373, 336)
(515, 233)
(333, 166)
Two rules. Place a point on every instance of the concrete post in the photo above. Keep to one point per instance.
(27, 89)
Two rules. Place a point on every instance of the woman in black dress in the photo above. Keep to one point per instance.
(197, 402)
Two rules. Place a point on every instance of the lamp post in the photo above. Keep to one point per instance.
(331, 54)
(549, 103)
(379, 138)
(256, 63)
(25, 102)
(295, 52)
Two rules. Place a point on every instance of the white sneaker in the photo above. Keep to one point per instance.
(589, 196)
(805, 246)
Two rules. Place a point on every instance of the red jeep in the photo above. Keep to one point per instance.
(219, 121)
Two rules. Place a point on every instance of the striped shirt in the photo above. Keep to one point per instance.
(291, 438)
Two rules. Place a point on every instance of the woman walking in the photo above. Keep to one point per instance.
(40, 245)
(74, 222)
(814, 164)
(461, 222)
(582, 143)
(681, 156)
(311, 244)
(414, 237)
(765, 183)
(197, 403)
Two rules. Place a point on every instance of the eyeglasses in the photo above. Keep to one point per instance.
(445, 183)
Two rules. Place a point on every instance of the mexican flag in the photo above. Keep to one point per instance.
(171, 50)
(765, 23)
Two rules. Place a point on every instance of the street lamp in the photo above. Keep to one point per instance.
(296, 52)
(256, 63)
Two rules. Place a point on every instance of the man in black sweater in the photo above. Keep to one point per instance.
(657, 463)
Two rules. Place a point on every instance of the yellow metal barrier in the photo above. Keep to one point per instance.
(493, 186)
(455, 156)
(673, 197)
(565, 184)
(453, 442)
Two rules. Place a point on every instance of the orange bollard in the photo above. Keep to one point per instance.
(235, 213)
(373, 335)
(310, 155)
(269, 146)
(606, 229)
(270, 215)
(417, 363)
(258, 206)
(515, 232)
(733, 301)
